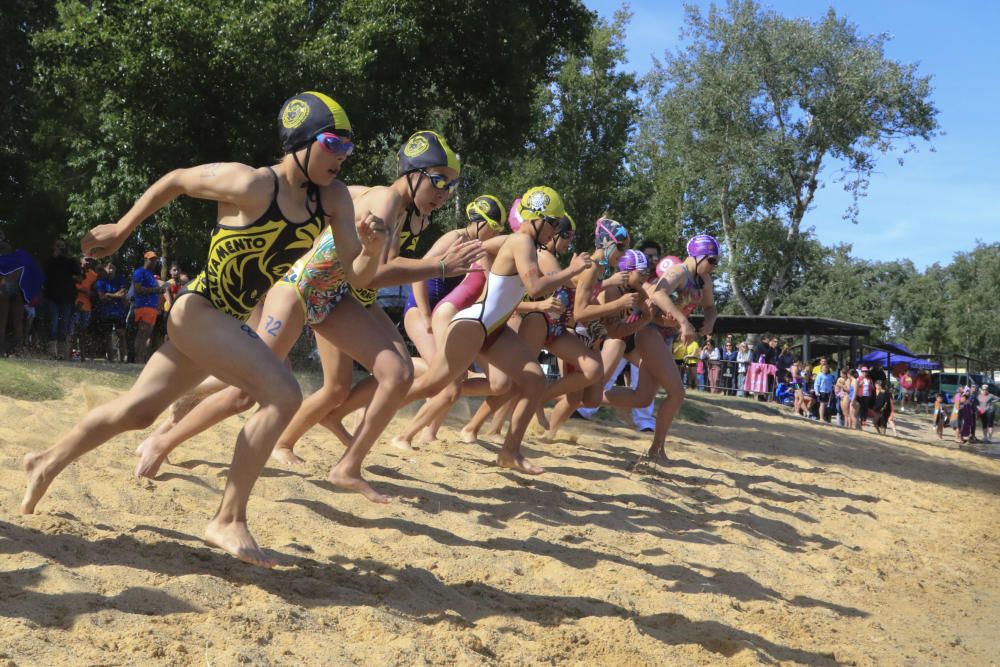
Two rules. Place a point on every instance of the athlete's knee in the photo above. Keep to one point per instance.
(393, 374)
(592, 369)
(532, 381)
(590, 399)
(282, 394)
(241, 402)
(138, 415)
(499, 384)
(452, 392)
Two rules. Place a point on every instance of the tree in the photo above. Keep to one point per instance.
(22, 207)
(582, 122)
(750, 113)
(843, 287)
(136, 88)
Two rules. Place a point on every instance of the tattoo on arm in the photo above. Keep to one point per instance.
(210, 170)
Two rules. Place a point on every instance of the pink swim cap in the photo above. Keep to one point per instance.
(514, 218)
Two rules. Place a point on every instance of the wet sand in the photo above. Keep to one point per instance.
(769, 539)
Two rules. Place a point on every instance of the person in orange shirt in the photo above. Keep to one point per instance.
(84, 306)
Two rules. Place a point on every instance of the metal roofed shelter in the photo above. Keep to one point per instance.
(792, 325)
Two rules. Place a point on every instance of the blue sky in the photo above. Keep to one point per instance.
(937, 203)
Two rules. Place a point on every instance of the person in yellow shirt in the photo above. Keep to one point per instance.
(691, 353)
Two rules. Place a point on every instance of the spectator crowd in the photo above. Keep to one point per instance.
(77, 308)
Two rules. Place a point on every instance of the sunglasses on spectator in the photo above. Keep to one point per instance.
(567, 234)
(441, 182)
(335, 144)
(714, 261)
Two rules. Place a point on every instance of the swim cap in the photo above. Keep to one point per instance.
(541, 202)
(426, 149)
(565, 224)
(488, 209)
(305, 115)
(633, 260)
(665, 263)
(703, 245)
(514, 218)
(609, 232)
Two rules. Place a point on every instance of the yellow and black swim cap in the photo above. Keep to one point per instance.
(541, 202)
(488, 209)
(307, 114)
(426, 149)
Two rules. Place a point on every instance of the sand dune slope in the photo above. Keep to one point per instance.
(770, 540)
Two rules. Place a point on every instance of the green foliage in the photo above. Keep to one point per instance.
(589, 113)
(134, 89)
(26, 213)
(944, 309)
(741, 122)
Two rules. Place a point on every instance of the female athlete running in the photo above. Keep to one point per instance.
(681, 290)
(267, 218)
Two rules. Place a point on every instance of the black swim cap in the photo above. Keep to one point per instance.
(426, 149)
(304, 116)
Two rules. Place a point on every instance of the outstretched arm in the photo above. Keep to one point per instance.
(229, 182)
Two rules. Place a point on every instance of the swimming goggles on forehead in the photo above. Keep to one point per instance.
(441, 182)
(335, 144)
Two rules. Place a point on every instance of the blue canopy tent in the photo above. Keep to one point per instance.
(888, 359)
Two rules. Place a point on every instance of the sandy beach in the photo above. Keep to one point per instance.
(770, 539)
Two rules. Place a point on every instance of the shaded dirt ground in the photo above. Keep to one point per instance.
(769, 540)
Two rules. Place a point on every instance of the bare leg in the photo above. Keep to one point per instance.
(183, 405)
(470, 432)
(203, 341)
(512, 356)
(167, 375)
(431, 409)
(358, 334)
(611, 354)
(233, 353)
(657, 370)
(286, 319)
(570, 348)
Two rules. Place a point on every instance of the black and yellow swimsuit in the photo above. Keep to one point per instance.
(244, 262)
(408, 242)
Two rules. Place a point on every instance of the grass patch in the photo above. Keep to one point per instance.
(45, 380)
(693, 413)
(17, 381)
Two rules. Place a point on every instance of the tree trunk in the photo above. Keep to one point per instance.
(790, 253)
(164, 254)
(729, 230)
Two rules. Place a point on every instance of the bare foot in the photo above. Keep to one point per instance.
(402, 444)
(548, 436)
(336, 427)
(150, 458)
(234, 538)
(543, 421)
(287, 456)
(426, 436)
(358, 485)
(37, 484)
(518, 463)
(469, 436)
(657, 454)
